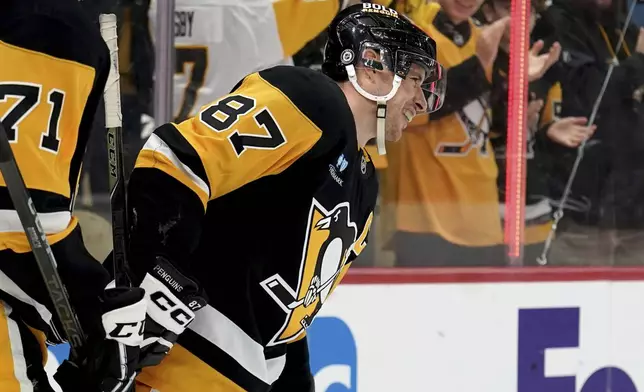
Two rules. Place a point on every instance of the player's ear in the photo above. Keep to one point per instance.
(369, 73)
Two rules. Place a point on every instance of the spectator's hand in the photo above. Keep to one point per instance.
(570, 131)
(487, 45)
(639, 46)
(534, 108)
(539, 64)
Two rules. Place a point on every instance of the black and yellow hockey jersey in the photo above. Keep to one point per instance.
(442, 174)
(538, 212)
(265, 198)
(48, 97)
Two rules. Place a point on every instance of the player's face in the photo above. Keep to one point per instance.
(460, 10)
(406, 104)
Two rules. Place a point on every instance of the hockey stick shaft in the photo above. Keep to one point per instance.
(559, 213)
(113, 123)
(39, 245)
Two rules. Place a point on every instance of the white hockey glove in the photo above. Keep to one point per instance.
(110, 362)
(172, 300)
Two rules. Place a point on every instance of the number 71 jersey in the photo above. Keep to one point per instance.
(49, 91)
(218, 42)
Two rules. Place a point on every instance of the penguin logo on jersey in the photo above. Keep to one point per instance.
(330, 238)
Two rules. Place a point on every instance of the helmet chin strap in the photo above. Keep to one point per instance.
(381, 101)
(381, 115)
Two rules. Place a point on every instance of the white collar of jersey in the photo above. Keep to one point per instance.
(382, 104)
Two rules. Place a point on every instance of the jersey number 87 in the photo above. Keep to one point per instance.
(225, 113)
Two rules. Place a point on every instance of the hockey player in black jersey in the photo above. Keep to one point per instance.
(247, 216)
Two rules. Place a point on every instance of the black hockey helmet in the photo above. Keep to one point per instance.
(399, 43)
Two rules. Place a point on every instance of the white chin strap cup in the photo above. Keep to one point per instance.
(381, 100)
(381, 114)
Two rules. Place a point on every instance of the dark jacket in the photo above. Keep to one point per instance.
(610, 179)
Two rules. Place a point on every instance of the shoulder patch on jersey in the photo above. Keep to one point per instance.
(320, 99)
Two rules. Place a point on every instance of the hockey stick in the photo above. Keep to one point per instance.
(113, 122)
(543, 258)
(39, 245)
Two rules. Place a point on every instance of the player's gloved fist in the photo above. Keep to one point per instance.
(172, 300)
(110, 362)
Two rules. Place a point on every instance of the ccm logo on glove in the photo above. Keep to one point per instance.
(176, 313)
(120, 331)
(164, 307)
(125, 324)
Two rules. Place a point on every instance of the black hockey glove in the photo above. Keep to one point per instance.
(110, 361)
(172, 300)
